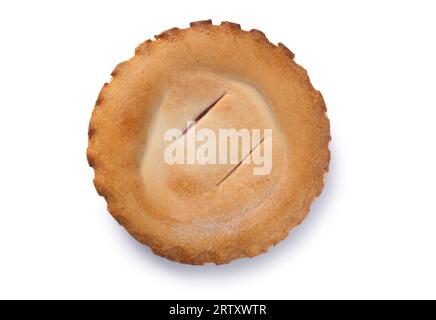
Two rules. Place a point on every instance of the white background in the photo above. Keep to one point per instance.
(371, 234)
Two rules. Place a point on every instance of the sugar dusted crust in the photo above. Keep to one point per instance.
(213, 228)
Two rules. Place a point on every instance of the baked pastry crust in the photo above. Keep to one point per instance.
(183, 214)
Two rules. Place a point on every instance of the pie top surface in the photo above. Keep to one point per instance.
(193, 83)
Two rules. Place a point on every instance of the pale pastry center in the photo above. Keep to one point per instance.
(192, 190)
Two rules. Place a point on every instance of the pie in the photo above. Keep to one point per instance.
(215, 78)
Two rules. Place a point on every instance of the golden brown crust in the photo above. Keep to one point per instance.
(116, 136)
